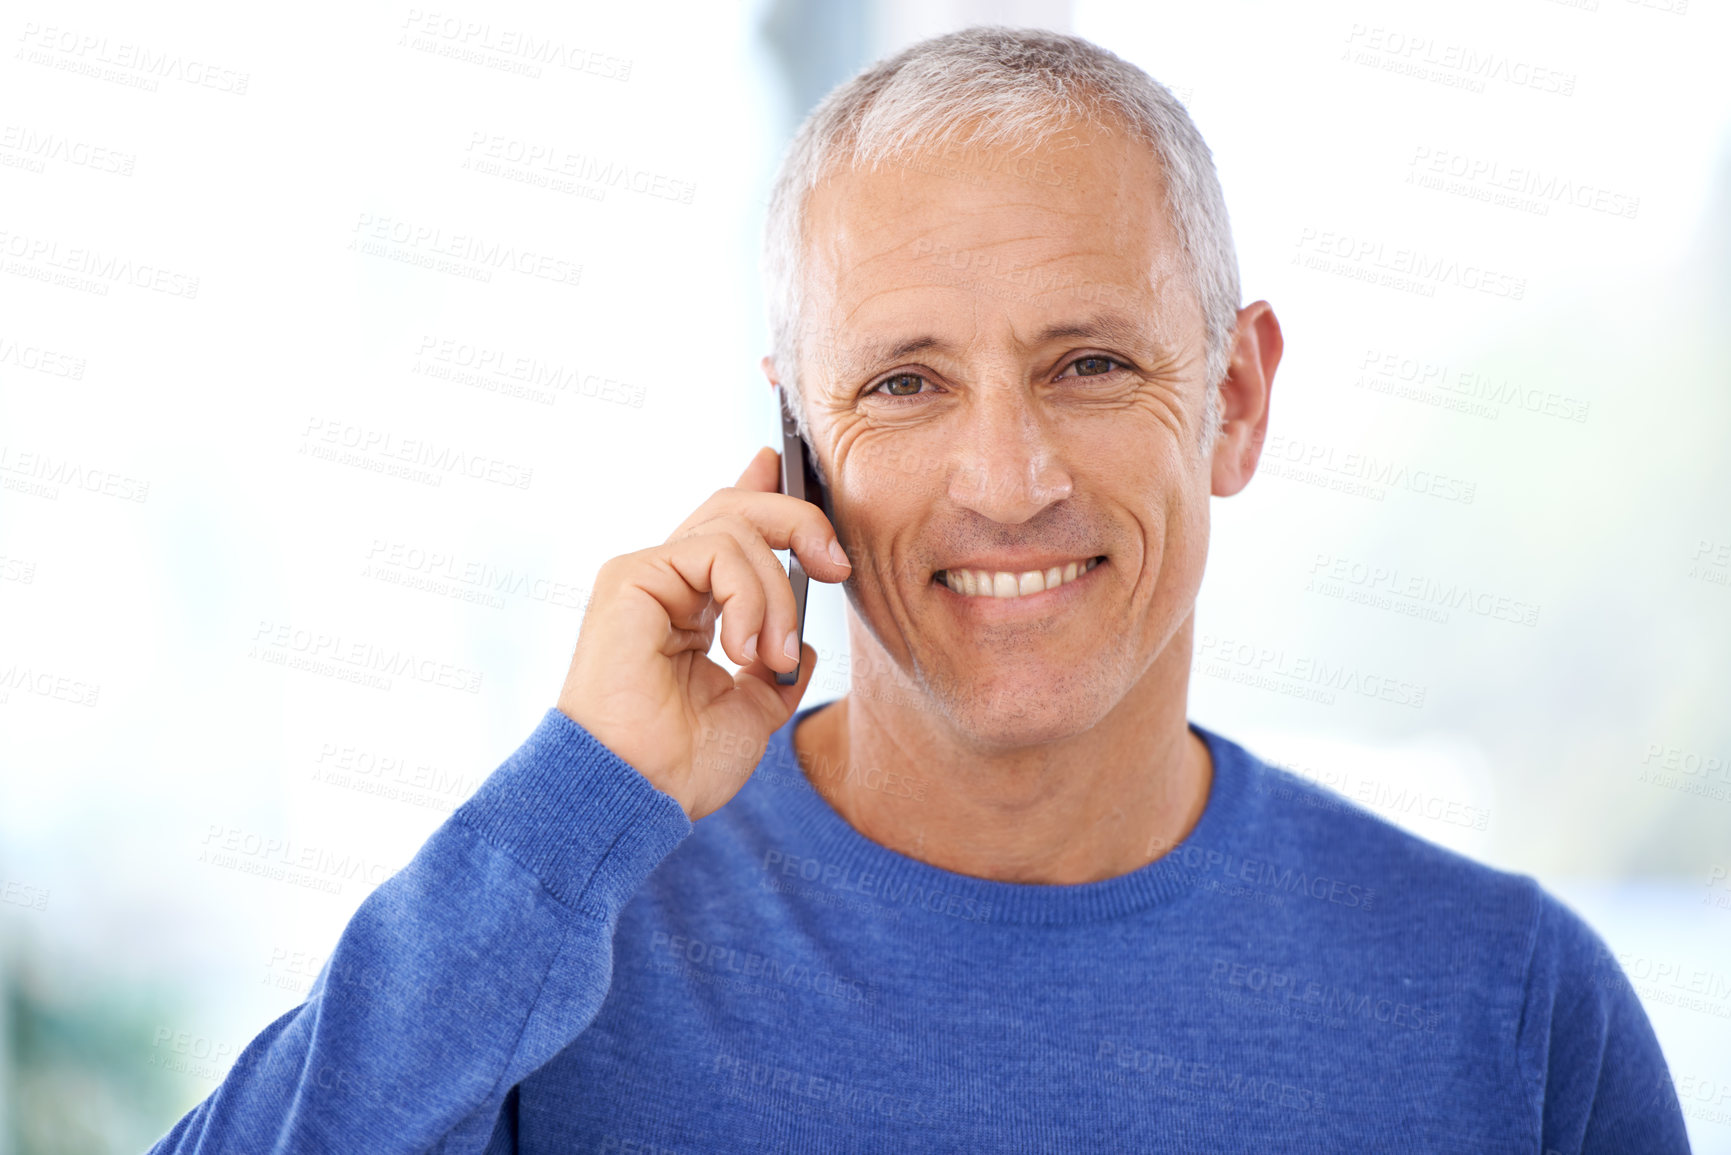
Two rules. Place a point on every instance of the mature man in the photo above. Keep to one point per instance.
(1002, 897)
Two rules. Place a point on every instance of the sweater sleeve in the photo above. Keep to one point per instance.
(1586, 1044)
(459, 976)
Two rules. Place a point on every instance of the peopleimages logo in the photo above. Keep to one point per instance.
(747, 1078)
(465, 254)
(1414, 594)
(516, 374)
(1273, 877)
(848, 880)
(1248, 663)
(319, 652)
(90, 269)
(1453, 65)
(42, 474)
(415, 458)
(135, 65)
(1333, 1004)
(1399, 266)
(1190, 1078)
(39, 360)
(46, 684)
(1365, 470)
(34, 149)
(749, 964)
(285, 860)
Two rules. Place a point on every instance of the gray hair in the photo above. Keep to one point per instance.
(988, 86)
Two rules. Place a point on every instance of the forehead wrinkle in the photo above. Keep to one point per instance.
(866, 236)
(876, 351)
(855, 357)
(1106, 327)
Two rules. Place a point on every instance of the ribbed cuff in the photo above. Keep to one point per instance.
(577, 815)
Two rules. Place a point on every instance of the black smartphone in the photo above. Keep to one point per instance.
(798, 479)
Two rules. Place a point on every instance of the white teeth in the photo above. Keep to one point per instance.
(979, 583)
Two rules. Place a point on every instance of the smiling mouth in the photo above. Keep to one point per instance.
(979, 583)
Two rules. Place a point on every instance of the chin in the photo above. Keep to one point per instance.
(1033, 709)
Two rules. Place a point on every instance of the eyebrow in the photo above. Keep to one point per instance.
(1102, 328)
(862, 356)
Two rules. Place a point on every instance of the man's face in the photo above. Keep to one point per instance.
(1003, 372)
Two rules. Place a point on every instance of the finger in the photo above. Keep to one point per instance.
(682, 641)
(783, 522)
(703, 620)
(763, 475)
(680, 586)
(781, 614)
(717, 564)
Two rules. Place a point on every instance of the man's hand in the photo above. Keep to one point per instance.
(641, 682)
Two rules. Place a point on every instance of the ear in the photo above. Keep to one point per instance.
(768, 364)
(1256, 346)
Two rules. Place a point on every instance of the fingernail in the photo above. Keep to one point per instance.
(791, 647)
(750, 648)
(837, 554)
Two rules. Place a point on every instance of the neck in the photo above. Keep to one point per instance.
(1090, 806)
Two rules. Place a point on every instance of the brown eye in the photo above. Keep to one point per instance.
(1093, 366)
(901, 385)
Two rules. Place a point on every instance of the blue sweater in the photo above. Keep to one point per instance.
(569, 965)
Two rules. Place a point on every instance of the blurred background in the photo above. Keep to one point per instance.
(257, 264)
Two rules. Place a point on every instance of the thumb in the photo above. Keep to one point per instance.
(774, 703)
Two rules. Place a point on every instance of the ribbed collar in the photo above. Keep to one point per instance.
(808, 819)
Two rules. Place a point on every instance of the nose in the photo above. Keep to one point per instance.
(1006, 464)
